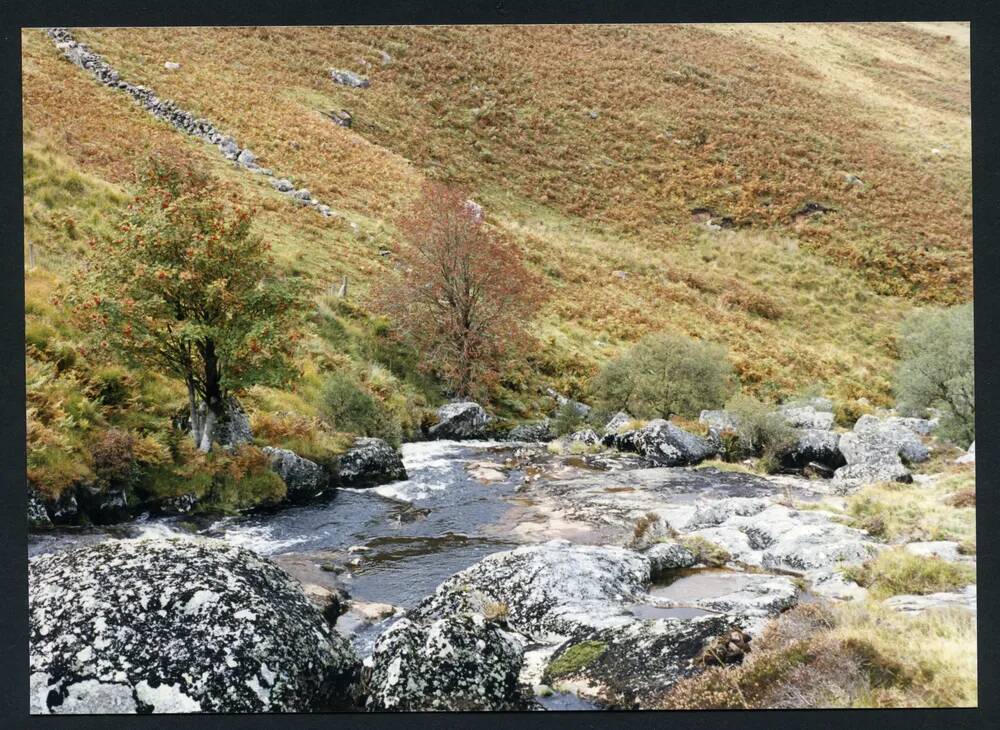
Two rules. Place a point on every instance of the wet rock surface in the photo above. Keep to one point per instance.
(663, 443)
(369, 462)
(460, 420)
(178, 626)
(302, 477)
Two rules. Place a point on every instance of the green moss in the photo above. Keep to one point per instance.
(575, 658)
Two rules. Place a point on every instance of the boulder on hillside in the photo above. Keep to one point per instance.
(664, 444)
(552, 590)
(349, 78)
(814, 446)
(302, 477)
(179, 625)
(460, 420)
(581, 409)
(369, 462)
(102, 505)
(901, 434)
(460, 663)
(718, 420)
(630, 667)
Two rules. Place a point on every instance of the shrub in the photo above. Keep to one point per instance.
(568, 419)
(110, 386)
(895, 572)
(665, 375)
(243, 480)
(349, 406)
(760, 431)
(114, 460)
(936, 369)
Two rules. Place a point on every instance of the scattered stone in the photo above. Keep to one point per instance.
(944, 549)
(247, 158)
(460, 420)
(176, 625)
(283, 185)
(486, 471)
(665, 557)
(369, 462)
(968, 457)
(831, 583)
(349, 78)
(460, 663)
(475, 210)
(587, 437)
(171, 66)
(807, 417)
(966, 598)
(302, 477)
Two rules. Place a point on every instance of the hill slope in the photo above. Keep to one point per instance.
(836, 158)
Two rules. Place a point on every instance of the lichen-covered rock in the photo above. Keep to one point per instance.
(814, 446)
(807, 416)
(587, 437)
(580, 409)
(665, 557)
(190, 625)
(664, 444)
(553, 590)
(718, 420)
(900, 434)
(349, 78)
(38, 518)
(629, 667)
(63, 509)
(460, 420)
(233, 429)
(787, 539)
(302, 477)
(370, 461)
(873, 455)
(459, 663)
(538, 431)
(617, 422)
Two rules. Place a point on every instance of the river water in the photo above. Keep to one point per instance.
(395, 542)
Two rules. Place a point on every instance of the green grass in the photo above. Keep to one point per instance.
(574, 658)
(897, 572)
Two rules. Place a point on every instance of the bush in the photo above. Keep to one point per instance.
(114, 460)
(665, 375)
(760, 431)
(706, 551)
(348, 406)
(936, 369)
(567, 420)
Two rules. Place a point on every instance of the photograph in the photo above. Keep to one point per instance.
(498, 367)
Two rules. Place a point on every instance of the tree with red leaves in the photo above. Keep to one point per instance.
(461, 294)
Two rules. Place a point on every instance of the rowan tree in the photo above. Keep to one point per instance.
(460, 294)
(186, 288)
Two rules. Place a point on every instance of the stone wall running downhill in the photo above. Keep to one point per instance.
(185, 121)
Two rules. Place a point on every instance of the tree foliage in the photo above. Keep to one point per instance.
(937, 368)
(665, 375)
(461, 294)
(185, 288)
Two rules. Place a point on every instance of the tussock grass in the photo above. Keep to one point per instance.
(897, 572)
(843, 656)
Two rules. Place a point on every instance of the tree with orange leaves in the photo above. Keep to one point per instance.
(186, 288)
(460, 294)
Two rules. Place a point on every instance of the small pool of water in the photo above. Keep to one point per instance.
(694, 585)
(645, 610)
(566, 702)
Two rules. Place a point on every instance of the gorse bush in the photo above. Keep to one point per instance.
(759, 431)
(665, 375)
(937, 369)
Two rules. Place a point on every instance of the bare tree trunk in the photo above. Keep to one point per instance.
(208, 430)
(196, 421)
